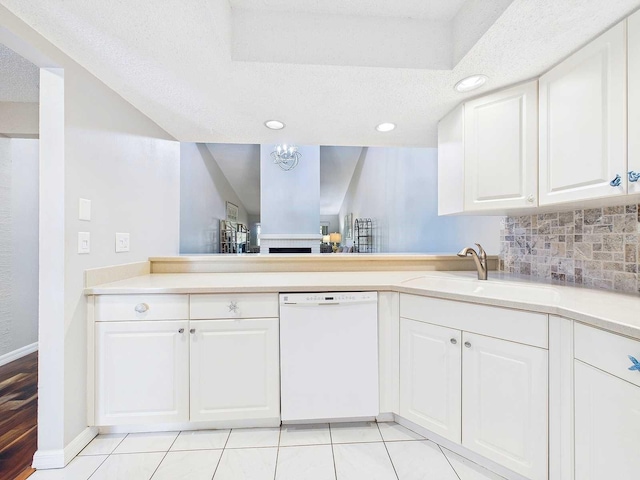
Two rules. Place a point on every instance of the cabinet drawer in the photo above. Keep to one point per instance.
(515, 325)
(607, 351)
(225, 305)
(113, 308)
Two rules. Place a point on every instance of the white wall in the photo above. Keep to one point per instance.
(397, 188)
(203, 195)
(290, 200)
(24, 220)
(18, 244)
(5, 246)
(333, 221)
(94, 145)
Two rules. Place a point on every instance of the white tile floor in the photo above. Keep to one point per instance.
(347, 451)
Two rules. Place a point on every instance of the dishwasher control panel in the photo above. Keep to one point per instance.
(328, 297)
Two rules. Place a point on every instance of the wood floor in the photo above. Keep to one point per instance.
(18, 416)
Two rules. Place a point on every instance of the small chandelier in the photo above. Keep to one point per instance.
(286, 156)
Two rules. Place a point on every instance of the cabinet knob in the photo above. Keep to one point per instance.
(634, 176)
(181, 330)
(467, 344)
(454, 341)
(636, 364)
(616, 181)
(141, 307)
(530, 198)
(193, 330)
(233, 307)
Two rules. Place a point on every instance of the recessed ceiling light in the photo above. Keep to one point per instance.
(471, 83)
(274, 124)
(386, 127)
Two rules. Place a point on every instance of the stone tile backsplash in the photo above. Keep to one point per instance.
(596, 247)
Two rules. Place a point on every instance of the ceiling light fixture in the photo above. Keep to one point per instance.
(286, 156)
(274, 124)
(471, 83)
(386, 127)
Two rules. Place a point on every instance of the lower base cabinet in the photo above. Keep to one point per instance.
(607, 425)
(235, 369)
(179, 371)
(142, 372)
(505, 403)
(430, 377)
(469, 374)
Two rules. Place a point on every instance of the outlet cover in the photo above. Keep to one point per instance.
(122, 242)
(84, 242)
(84, 209)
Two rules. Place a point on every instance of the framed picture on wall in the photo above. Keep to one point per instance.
(348, 221)
(232, 212)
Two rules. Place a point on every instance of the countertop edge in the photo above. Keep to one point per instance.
(611, 325)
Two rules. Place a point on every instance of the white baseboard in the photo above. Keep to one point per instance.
(19, 353)
(385, 417)
(47, 459)
(173, 427)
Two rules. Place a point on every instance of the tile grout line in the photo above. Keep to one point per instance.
(165, 454)
(275, 470)
(387, 450)
(107, 457)
(224, 447)
(333, 455)
(448, 461)
(93, 473)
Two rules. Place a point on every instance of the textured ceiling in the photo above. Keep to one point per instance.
(19, 78)
(423, 9)
(179, 63)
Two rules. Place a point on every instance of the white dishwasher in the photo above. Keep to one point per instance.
(329, 356)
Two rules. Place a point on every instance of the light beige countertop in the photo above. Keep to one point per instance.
(612, 311)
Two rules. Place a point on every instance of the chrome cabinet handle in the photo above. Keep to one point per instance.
(636, 364)
(530, 198)
(467, 344)
(141, 307)
(193, 330)
(181, 330)
(616, 181)
(233, 307)
(454, 341)
(634, 176)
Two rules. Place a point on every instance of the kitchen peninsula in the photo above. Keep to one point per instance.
(456, 356)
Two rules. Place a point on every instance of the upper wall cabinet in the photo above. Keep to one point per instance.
(633, 92)
(490, 145)
(501, 149)
(582, 123)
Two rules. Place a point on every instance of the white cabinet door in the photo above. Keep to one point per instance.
(430, 377)
(582, 123)
(607, 425)
(501, 149)
(142, 372)
(633, 26)
(504, 403)
(235, 369)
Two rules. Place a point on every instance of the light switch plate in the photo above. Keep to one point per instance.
(84, 242)
(122, 242)
(84, 209)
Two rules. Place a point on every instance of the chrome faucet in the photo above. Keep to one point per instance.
(480, 258)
